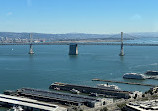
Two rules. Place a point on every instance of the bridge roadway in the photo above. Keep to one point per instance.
(79, 43)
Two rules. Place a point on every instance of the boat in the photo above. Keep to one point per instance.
(151, 73)
(107, 86)
(134, 76)
(75, 91)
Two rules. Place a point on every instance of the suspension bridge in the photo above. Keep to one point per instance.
(74, 46)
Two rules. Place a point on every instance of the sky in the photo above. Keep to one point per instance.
(79, 16)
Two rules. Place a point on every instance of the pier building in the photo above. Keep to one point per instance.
(63, 98)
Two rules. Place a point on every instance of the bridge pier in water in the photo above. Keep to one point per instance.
(73, 49)
(31, 47)
(122, 51)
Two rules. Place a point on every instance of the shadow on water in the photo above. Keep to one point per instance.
(122, 58)
(73, 57)
(31, 57)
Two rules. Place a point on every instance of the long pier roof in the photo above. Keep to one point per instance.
(57, 95)
(29, 103)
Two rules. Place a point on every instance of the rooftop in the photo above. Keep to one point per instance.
(144, 105)
(57, 95)
(30, 103)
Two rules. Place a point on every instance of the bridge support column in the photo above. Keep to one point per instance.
(122, 51)
(73, 49)
(31, 47)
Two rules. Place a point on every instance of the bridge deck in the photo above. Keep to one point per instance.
(79, 43)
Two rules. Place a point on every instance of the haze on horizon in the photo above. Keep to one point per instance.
(80, 16)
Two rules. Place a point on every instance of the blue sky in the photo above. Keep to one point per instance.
(80, 16)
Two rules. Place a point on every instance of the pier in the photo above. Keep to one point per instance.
(61, 97)
(89, 89)
(151, 85)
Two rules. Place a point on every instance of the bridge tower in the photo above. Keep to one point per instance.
(31, 47)
(73, 49)
(122, 51)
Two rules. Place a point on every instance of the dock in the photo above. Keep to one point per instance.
(141, 84)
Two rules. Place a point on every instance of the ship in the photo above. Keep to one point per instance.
(134, 76)
(151, 73)
(107, 86)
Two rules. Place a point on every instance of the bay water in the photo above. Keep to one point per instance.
(51, 63)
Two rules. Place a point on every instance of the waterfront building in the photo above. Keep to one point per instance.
(62, 98)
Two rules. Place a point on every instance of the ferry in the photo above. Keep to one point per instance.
(107, 86)
(151, 73)
(134, 76)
